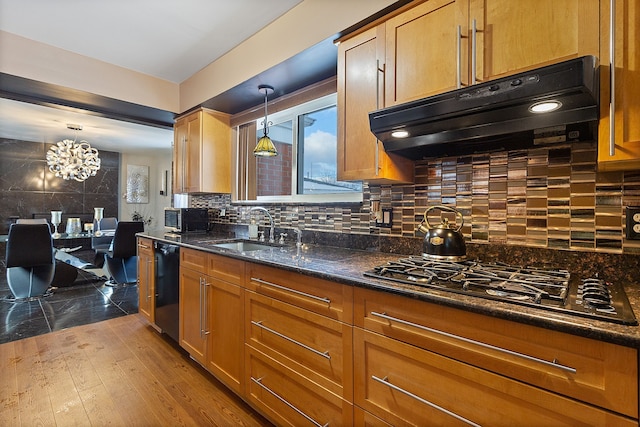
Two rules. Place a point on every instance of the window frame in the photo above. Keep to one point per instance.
(247, 166)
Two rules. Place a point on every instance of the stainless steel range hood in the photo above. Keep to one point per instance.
(492, 115)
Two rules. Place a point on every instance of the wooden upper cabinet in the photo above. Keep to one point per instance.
(626, 135)
(513, 36)
(421, 51)
(360, 90)
(202, 153)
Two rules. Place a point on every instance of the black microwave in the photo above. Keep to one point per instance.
(183, 220)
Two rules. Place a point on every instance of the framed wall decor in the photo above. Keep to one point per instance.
(137, 184)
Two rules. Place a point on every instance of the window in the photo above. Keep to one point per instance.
(306, 165)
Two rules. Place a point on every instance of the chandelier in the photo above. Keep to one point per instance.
(69, 159)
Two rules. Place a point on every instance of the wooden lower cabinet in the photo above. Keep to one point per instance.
(193, 335)
(211, 314)
(317, 347)
(146, 279)
(226, 333)
(289, 398)
(406, 385)
(584, 369)
(306, 351)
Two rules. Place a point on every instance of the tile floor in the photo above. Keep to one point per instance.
(86, 302)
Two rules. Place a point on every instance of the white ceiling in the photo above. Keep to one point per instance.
(163, 38)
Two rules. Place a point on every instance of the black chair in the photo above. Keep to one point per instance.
(30, 260)
(122, 260)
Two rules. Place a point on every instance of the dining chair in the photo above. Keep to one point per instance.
(122, 259)
(30, 259)
(102, 244)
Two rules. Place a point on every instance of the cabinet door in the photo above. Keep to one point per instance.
(317, 347)
(187, 153)
(193, 154)
(193, 320)
(226, 338)
(405, 385)
(518, 35)
(180, 132)
(626, 134)
(290, 399)
(360, 90)
(422, 54)
(146, 279)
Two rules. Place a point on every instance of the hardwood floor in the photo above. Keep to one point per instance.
(117, 372)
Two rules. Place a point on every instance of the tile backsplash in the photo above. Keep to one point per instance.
(545, 197)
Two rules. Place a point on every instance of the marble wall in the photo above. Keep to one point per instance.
(27, 186)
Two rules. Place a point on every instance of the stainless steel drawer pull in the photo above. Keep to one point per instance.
(553, 363)
(386, 382)
(313, 350)
(311, 420)
(143, 246)
(264, 282)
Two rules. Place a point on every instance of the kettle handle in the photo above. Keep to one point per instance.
(444, 208)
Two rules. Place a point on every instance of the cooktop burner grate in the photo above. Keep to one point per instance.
(551, 289)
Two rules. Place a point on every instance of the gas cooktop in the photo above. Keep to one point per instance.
(549, 289)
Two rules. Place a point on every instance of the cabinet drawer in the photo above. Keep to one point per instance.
(585, 369)
(290, 399)
(194, 259)
(320, 296)
(406, 385)
(145, 246)
(317, 347)
(224, 268)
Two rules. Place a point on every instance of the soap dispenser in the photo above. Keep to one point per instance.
(253, 229)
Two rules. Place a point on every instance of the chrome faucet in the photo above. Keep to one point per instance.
(271, 223)
(298, 236)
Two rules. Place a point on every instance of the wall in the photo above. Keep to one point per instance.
(27, 186)
(541, 198)
(158, 162)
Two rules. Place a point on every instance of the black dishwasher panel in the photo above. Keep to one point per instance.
(167, 288)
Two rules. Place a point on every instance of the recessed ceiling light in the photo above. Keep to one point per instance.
(399, 134)
(545, 106)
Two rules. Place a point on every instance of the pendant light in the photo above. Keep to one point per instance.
(265, 147)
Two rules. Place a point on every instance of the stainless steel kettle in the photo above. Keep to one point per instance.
(443, 242)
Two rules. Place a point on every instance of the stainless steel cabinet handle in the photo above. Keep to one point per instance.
(474, 52)
(612, 78)
(458, 57)
(478, 343)
(149, 271)
(324, 354)
(311, 420)
(377, 152)
(143, 246)
(264, 282)
(386, 382)
(200, 300)
(205, 304)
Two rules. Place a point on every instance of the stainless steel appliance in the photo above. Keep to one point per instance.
(545, 288)
(497, 114)
(183, 220)
(167, 297)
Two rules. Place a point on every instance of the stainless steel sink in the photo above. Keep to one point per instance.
(242, 246)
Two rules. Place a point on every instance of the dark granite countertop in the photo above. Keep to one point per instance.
(347, 266)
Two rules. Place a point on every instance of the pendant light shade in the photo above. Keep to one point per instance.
(265, 147)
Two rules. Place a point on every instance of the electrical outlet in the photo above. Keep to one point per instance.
(633, 222)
